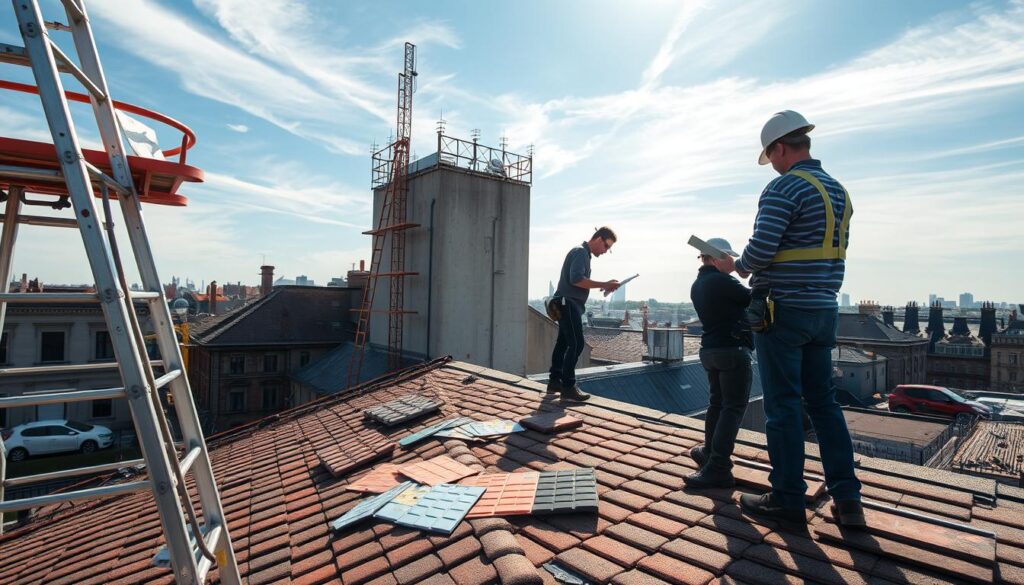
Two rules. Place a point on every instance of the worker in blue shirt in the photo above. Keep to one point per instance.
(796, 260)
(721, 301)
(570, 298)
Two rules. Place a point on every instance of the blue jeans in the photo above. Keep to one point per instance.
(569, 345)
(795, 361)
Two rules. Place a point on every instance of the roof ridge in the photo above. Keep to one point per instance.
(233, 317)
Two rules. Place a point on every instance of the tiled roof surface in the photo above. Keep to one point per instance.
(852, 355)
(614, 345)
(293, 314)
(329, 374)
(856, 326)
(995, 449)
(280, 502)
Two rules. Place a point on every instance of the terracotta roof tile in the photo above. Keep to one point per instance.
(280, 502)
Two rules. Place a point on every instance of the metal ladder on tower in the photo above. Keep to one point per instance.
(191, 558)
(393, 221)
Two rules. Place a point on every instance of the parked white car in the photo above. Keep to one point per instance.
(54, 436)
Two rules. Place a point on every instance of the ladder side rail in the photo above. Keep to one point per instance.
(170, 351)
(128, 354)
(10, 234)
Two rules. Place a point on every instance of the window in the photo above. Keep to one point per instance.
(104, 349)
(303, 358)
(3, 350)
(271, 397)
(237, 364)
(36, 432)
(102, 408)
(236, 400)
(1013, 359)
(270, 363)
(80, 426)
(52, 346)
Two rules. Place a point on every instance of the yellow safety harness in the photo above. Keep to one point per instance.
(827, 251)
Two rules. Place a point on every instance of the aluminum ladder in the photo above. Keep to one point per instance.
(190, 558)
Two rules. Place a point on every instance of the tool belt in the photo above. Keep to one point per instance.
(761, 311)
(553, 307)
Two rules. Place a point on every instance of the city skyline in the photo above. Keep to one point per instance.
(653, 131)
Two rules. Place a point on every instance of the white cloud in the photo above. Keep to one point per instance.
(240, 128)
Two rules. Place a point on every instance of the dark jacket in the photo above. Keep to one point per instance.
(576, 267)
(720, 301)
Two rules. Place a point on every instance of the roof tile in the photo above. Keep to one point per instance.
(743, 529)
(636, 536)
(589, 565)
(499, 543)
(747, 571)
(549, 536)
(675, 571)
(417, 571)
(614, 551)
(515, 569)
(658, 524)
(700, 555)
(637, 577)
(459, 551)
(474, 571)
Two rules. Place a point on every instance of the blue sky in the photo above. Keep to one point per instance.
(644, 116)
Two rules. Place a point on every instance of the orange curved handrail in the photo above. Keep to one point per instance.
(188, 139)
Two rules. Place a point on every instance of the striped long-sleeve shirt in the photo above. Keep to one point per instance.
(791, 214)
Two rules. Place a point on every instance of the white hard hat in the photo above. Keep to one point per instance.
(779, 125)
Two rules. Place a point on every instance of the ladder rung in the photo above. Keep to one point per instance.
(58, 397)
(211, 539)
(107, 180)
(167, 378)
(389, 311)
(74, 70)
(65, 369)
(15, 55)
(79, 495)
(145, 294)
(210, 536)
(43, 221)
(383, 274)
(16, 481)
(392, 228)
(189, 459)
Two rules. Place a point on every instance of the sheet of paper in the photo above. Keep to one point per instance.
(622, 282)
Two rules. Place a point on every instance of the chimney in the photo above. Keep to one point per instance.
(213, 298)
(960, 327)
(267, 280)
(889, 316)
(988, 323)
(910, 319)
(357, 278)
(869, 308)
(936, 330)
(665, 343)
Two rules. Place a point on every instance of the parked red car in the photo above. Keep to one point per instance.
(934, 400)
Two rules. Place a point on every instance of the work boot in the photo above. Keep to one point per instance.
(554, 387)
(574, 393)
(699, 454)
(849, 513)
(707, 478)
(765, 506)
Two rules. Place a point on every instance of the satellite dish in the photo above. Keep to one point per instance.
(496, 167)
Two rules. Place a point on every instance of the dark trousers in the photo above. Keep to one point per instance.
(729, 375)
(794, 358)
(569, 345)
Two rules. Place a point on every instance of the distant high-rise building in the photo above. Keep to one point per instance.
(846, 300)
(931, 299)
(303, 280)
(966, 301)
(551, 289)
(619, 296)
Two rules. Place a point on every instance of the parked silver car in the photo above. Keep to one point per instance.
(54, 436)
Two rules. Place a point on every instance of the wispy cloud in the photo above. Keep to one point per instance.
(240, 128)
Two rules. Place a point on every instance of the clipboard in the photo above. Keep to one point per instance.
(706, 248)
(622, 282)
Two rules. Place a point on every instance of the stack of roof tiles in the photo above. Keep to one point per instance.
(280, 501)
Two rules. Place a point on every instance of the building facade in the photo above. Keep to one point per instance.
(1007, 357)
(240, 362)
(61, 335)
(860, 373)
(906, 354)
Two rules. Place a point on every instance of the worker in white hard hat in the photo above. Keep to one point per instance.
(796, 259)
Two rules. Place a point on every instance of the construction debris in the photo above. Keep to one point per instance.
(401, 409)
